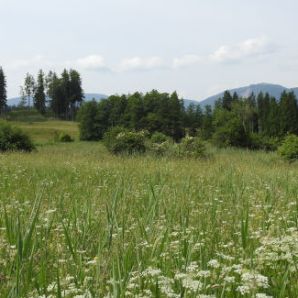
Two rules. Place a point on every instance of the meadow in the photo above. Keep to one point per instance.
(76, 221)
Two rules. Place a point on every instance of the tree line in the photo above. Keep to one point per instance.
(233, 121)
(60, 96)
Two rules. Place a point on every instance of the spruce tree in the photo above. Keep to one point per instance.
(76, 94)
(227, 101)
(40, 96)
(288, 113)
(3, 94)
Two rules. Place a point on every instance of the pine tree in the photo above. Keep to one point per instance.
(76, 94)
(288, 113)
(40, 96)
(3, 94)
(227, 101)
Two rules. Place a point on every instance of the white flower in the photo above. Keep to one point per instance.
(262, 295)
(151, 272)
(214, 263)
(243, 290)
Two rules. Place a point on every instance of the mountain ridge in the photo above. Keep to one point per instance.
(272, 89)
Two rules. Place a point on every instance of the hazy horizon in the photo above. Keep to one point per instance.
(197, 49)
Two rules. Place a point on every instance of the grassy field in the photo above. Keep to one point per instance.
(44, 132)
(78, 222)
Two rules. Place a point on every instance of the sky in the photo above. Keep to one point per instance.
(195, 47)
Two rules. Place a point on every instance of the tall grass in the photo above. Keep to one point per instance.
(78, 222)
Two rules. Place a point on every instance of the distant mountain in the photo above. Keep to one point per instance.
(88, 97)
(273, 90)
(96, 96)
(188, 102)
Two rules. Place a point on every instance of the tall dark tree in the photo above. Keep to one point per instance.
(55, 93)
(39, 95)
(76, 95)
(65, 93)
(288, 113)
(3, 94)
(227, 101)
(207, 124)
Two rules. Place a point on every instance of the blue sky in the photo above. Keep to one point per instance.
(196, 47)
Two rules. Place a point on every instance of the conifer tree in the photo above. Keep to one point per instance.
(3, 94)
(40, 96)
(288, 113)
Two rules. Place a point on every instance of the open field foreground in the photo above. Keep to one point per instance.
(77, 222)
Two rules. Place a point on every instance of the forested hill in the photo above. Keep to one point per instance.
(271, 89)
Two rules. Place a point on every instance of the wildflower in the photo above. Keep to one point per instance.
(213, 263)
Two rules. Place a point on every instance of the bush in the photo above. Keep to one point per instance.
(231, 134)
(119, 140)
(259, 142)
(192, 147)
(63, 137)
(289, 148)
(159, 138)
(160, 144)
(14, 139)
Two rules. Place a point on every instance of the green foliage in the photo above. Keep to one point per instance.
(14, 139)
(119, 140)
(229, 130)
(159, 138)
(289, 148)
(160, 144)
(152, 111)
(89, 127)
(65, 93)
(263, 142)
(192, 147)
(62, 137)
(288, 113)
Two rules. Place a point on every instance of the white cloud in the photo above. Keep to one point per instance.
(138, 63)
(92, 62)
(249, 48)
(38, 61)
(186, 60)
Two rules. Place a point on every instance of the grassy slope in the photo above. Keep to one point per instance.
(116, 225)
(43, 132)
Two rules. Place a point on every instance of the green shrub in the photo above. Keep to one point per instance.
(160, 144)
(231, 134)
(63, 137)
(14, 139)
(119, 140)
(159, 138)
(192, 147)
(161, 149)
(289, 148)
(259, 142)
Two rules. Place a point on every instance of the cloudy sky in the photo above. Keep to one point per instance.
(196, 47)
